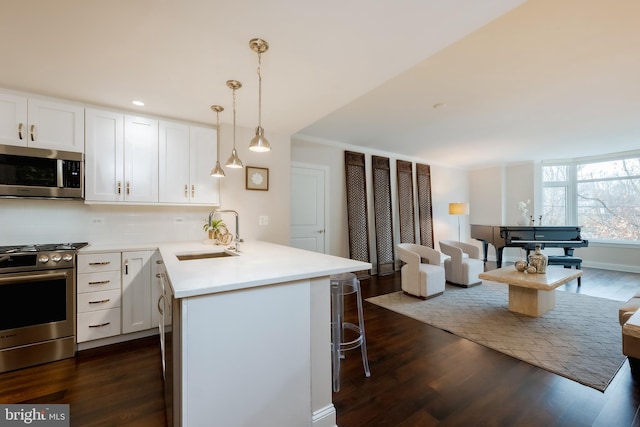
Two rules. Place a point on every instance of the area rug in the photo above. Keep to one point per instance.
(580, 339)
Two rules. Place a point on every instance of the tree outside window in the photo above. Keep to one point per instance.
(602, 196)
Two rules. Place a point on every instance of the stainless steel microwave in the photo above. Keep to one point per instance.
(38, 173)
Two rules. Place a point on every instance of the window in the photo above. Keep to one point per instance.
(600, 194)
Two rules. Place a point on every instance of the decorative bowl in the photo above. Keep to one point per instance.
(520, 265)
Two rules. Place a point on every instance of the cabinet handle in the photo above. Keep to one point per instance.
(158, 261)
(186, 190)
(126, 266)
(193, 190)
(32, 132)
(20, 126)
(100, 263)
(100, 325)
(161, 300)
(119, 185)
(100, 302)
(128, 188)
(158, 275)
(102, 282)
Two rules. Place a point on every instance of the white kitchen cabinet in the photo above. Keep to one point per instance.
(205, 188)
(161, 307)
(41, 123)
(99, 296)
(104, 156)
(140, 159)
(121, 160)
(173, 162)
(187, 154)
(136, 291)
(159, 316)
(13, 119)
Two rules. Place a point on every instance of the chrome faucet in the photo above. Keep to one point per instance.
(237, 239)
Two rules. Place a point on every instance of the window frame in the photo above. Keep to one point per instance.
(571, 186)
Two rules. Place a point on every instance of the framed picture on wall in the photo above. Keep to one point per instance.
(257, 178)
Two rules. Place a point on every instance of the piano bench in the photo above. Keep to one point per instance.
(566, 261)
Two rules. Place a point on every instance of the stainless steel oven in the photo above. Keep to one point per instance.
(37, 304)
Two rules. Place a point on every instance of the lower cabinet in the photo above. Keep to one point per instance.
(136, 291)
(99, 296)
(118, 293)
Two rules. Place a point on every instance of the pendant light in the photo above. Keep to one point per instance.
(234, 161)
(217, 170)
(259, 143)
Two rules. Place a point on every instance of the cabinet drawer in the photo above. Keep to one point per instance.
(88, 263)
(98, 324)
(90, 282)
(93, 301)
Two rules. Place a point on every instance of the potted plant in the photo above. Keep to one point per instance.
(216, 229)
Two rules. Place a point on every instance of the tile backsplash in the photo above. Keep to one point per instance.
(24, 221)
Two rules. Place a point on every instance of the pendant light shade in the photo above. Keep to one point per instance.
(217, 170)
(259, 143)
(234, 161)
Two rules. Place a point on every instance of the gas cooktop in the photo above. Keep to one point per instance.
(41, 248)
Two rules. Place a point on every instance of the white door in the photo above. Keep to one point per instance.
(13, 120)
(104, 156)
(308, 208)
(140, 159)
(56, 125)
(204, 188)
(136, 291)
(173, 165)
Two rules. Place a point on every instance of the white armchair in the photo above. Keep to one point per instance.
(464, 264)
(421, 275)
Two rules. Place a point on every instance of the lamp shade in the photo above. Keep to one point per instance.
(458, 208)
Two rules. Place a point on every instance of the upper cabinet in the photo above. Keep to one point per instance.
(121, 158)
(41, 123)
(205, 189)
(187, 155)
(140, 159)
(128, 158)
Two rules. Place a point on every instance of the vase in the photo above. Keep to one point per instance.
(538, 260)
(524, 219)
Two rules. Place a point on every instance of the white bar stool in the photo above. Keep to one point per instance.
(344, 335)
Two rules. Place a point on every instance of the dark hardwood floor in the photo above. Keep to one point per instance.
(420, 376)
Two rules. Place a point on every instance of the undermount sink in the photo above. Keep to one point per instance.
(204, 255)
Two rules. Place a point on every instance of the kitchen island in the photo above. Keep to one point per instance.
(251, 340)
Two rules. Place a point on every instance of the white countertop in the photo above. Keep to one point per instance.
(258, 264)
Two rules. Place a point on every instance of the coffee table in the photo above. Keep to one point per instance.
(531, 294)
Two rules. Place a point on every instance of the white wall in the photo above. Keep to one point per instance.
(447, 185)
(52, 221)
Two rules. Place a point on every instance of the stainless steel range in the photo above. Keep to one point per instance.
(37, 304)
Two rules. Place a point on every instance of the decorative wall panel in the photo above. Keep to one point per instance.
(425, 211)
(357, 206)
(405, 202)
(383, 215)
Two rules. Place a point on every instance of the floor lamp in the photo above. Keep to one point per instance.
(458, 208)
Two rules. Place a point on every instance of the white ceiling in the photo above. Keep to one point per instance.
(518, 80)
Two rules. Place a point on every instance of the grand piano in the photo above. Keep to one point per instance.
(527, 237)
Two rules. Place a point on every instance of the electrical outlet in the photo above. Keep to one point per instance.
(263, 220)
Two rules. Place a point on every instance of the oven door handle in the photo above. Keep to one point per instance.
(33, 277)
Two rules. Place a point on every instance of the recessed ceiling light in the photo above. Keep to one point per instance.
(138, 103)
